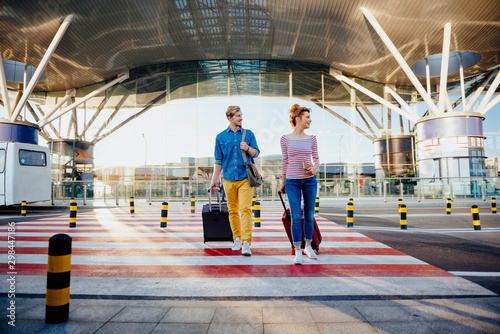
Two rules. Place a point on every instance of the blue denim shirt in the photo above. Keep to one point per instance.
(228, 153)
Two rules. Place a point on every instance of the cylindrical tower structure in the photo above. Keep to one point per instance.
(72, 160)
(394, 155)
(18, 132)
(451, 146)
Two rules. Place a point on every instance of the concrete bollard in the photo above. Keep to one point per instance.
(192, 204)
(350, 215)
(476, 222)
(58, 279)
(400, 202)
(72, 214)
(132, 206)
(164, 214)
(494, 205)
(256, 218)
(316, 206)
(402, 217)
(448, 206)
(23, 208)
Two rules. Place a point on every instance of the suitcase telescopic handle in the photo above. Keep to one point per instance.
(282, 201)
(210, 200)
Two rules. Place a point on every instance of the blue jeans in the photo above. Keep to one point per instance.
(295, 189)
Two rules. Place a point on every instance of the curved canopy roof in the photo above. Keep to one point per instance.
(107, 37)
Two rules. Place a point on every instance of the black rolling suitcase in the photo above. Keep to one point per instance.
(287, 224)
(216, 222)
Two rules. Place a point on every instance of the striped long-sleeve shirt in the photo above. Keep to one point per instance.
(295, 153)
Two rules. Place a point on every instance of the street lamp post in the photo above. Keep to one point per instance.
(145, 153)
(340, 155)
(340, 163)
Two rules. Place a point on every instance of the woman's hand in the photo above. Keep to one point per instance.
(312, 170)
(282, 189)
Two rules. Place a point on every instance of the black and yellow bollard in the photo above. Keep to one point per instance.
(402, 217)
(316, 206)
(132, 207)
(475, 217)
(164, 214)
(448, 206)
(351, 200)
(400, 202)
(71, 200)
(23, 208)
(253, 204)
(72, 214)
(58, 279)
(493, 205)
(350, 215)
(192, 204)
(256, 217)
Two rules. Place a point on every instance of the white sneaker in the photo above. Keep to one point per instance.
(237, 244)
(298, 257)
(310, 253)
(246, 249)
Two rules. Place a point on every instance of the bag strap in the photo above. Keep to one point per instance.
(243, 153)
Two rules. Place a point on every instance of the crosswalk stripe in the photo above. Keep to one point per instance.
(237, 259)
(242, 271)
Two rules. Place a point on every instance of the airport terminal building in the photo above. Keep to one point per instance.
(126, 98)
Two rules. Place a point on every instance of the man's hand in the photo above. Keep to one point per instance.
(213, 186)
(244, 146)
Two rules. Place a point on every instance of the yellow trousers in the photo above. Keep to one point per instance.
(239, 201)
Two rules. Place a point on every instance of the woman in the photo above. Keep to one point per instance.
(299, 165)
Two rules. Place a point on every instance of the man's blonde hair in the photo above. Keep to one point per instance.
(231, 110)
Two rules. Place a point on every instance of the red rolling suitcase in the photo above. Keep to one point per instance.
(216, 225)
(287, 223)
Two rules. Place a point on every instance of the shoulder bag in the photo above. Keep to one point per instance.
(254, 177)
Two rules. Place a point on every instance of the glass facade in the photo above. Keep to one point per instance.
(158, 127)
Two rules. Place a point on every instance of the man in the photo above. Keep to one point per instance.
(239, 193)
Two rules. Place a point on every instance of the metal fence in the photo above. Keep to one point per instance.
(182, 190)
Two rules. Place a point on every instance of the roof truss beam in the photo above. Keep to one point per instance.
(39, 70)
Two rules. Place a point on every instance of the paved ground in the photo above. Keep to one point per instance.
(448, 242)
(130, 275)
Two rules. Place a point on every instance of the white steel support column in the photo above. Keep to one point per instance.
(392, 90)
(61, 112)
(400, 60)
(25, 79)
(489, 94)
(491, 104)
(462, 80)
(3, 90)
(480, 90)
(428, 76)
(374, 96)
(444, 68)
(39, 70)
(69, 94)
